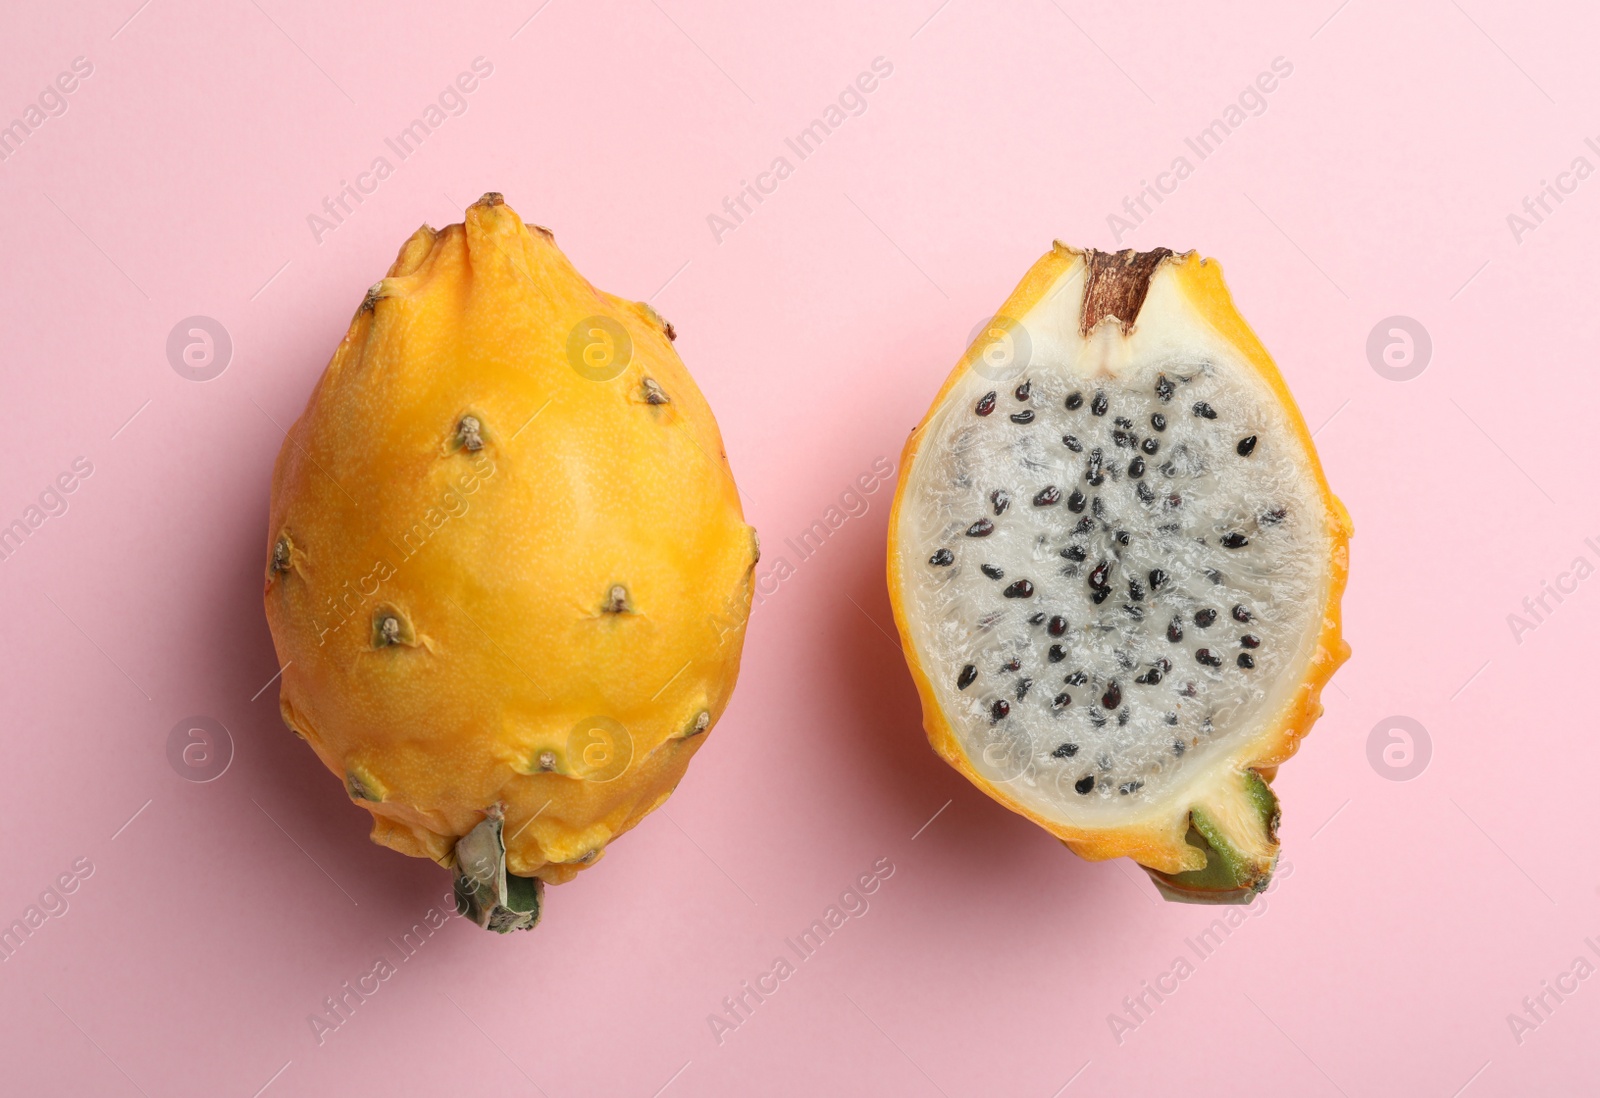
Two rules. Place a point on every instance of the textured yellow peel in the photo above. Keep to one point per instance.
(1158, 838)
(569, 573)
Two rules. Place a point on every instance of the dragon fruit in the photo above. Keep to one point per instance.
(1116, 567)
(507, 573)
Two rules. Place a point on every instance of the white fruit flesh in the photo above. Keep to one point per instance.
(1146, 744)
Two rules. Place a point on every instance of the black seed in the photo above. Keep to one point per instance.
(1134, 612)
(1150, 677)
(1122, 438)
(1098, 508)
(1100, 595)
(1214, 576)
(1150, 445)
(1077, 678)
(1037, 619)
(1085, 784)
(1099, 404)
(1124, 660)
(1172, 718)
(1206, 657)
(1273, 517)
(1204, 618)
(992, 572)
(1057, 626)
(985, 405)
(1204, 410)
(1065, 751)
(1024, 390)
(1157, 579)
(999, 710)
(1164, 664)
(1071, 442)
(1136, 468)
(1130, 787)
(1234, 541)
(1158, 421)
(1076, 502)
(1145, 492)
(1123, 715)
(1047, 496)
(1023, 686)
(1165, 388)
(1013, 664)
(1240, 614)
(1001, 500)
(1189, 690)
(1097, 578)
(1061, 701)
(1123, 421)
(1174, 501)
(980, 529)
(1056, 653)
(1074, 402)
(1135, 590)
(1085, 524)
(1074, 552)
(1168, 469)
(1112, 697)
(1246, 446)
(942, 557)
(1024, 416)
(1122, 537)
(1021, 589)
(1178, 748)
(1250, 641)
(968, 675)
(1246, 660)
(1092, 470)
(1174, 630)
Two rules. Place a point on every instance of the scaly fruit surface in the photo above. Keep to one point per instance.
(508, 574)
(1116, 567)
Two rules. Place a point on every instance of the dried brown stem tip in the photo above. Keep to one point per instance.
(1116, 285)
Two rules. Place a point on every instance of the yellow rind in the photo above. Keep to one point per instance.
(1158, 839)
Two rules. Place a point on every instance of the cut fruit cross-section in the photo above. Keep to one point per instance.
(1127, 651)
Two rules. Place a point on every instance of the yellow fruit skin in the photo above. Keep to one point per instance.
(501, 561)
(1157, 840)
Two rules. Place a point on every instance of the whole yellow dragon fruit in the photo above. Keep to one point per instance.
(508, 573)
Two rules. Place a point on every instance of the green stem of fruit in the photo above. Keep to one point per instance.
(1239, 835)
(485, 892)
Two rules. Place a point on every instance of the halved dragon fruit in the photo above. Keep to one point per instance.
(1116, 568)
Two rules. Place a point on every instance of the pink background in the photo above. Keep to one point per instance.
(1417, 915)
